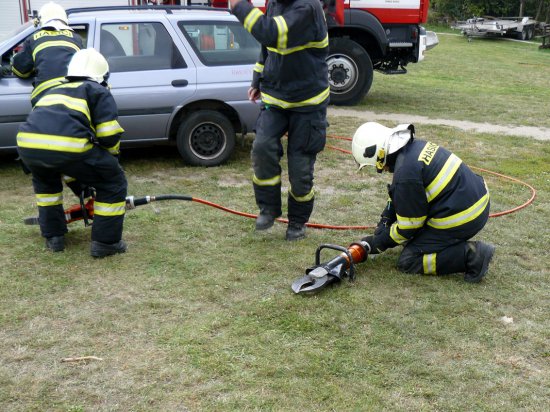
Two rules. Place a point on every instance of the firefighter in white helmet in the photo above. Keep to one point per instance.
(436, 203)
(73, 130)
(46, 53)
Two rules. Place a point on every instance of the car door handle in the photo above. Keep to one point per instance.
(180, 83)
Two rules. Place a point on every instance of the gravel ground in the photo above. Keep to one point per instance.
(538, 133)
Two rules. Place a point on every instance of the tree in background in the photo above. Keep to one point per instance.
(461, 10)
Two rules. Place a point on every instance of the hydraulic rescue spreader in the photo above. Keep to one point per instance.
(323, 274)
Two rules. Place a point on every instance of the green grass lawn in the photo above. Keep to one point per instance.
(199, 314)
(485, 80)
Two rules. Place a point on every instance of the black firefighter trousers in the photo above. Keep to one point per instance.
(306, 138)
(96, 168)
(440, 251)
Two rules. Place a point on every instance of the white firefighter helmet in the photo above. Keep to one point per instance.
(52, 11)
(372, 143)
(89, 63)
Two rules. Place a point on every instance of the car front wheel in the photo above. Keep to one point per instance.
(205, 138)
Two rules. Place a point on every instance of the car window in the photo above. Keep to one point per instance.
(82, 31)
(139, 46)
(221, 43)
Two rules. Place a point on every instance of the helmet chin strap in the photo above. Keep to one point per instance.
(382, 156)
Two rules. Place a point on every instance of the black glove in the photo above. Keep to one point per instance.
(369, 245)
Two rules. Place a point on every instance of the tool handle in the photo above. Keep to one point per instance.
(345, 255)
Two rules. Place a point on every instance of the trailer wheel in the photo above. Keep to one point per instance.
(523, 34)
(530, 32)
(350, 71)
(205, 138)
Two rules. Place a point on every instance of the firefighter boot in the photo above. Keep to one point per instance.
(478, 256)
(265, 220)
(56, 243)
(100, 249)
(295, 231)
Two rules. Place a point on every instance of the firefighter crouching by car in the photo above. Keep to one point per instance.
(291, 76)
(73, 130)
(436, 204)
(47, 52)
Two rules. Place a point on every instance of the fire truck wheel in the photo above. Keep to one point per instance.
(350, 71)
(205, 138)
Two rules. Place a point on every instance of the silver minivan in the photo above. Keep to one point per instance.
(179, 75)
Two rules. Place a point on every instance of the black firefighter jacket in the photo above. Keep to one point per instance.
(432, 189)
(291, 72)
(69, 120)
(46, 55)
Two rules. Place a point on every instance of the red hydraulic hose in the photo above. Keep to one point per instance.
(251, 215)
(133, 202)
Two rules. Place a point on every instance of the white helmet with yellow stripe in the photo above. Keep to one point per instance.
(373, 142)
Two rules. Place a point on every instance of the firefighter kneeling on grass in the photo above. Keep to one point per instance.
(73, 130)
(436, 204)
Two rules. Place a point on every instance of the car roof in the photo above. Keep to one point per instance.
(123, 12)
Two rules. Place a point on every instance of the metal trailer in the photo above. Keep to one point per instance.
(522, 28)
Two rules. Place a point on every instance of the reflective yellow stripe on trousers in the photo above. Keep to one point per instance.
(429, 262)
(49, 199)
(267, 182)
(109, 209)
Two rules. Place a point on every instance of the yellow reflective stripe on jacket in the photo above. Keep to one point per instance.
(461, 218)
(410, 222)
(49, 199)
(251, 19)
(19, 74)
(259, 68)
(394, 234)
(114, 150)
(46, 85)
(53, 142)
(108, 129)
(53, 43)
(429, 262)
(310, 45)
(282, 29)
(267, 182)
(109, 209)
(320, 98)
(305, 198)
(443, 177)
(79, 105)
(71, 85)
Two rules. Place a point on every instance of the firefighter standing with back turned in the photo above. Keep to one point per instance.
(437, 204)
(291, 77)
(47, 52)
(73, 130)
